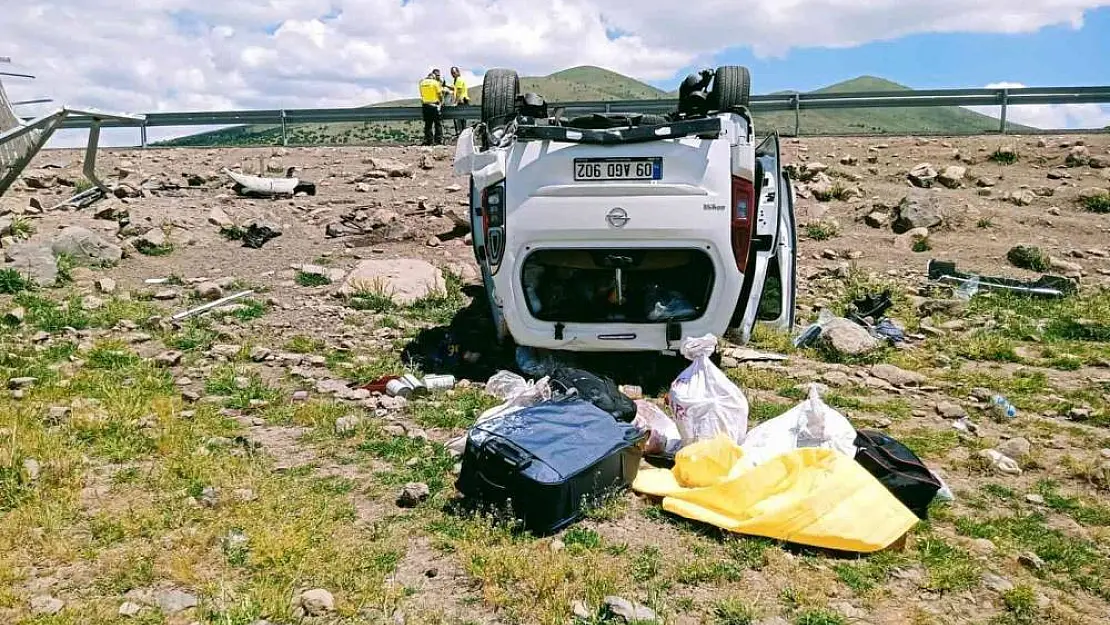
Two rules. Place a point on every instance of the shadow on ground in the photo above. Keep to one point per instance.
(467, 348)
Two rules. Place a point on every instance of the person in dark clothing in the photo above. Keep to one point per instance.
(431, 100)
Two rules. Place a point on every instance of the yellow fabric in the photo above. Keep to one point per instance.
(429, 90)
(809, 496)
(460, 89)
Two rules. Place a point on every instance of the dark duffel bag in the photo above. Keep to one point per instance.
(550, 461)
(601, 392)
(899, 470)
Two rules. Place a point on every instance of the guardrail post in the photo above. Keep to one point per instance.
(1002, 121)
(608, 109)
(284, 136)
(797, 115)
(142, 134)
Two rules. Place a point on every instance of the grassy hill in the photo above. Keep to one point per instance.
(905, 120)
(595, 83)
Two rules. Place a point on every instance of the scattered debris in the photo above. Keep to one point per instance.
(246, 184)
(1000, 462)
(258, 232)
(192, 312)
(1045, 286)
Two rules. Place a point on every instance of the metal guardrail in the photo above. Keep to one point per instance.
(796, 102)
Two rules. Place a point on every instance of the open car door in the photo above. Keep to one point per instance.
(770, 286)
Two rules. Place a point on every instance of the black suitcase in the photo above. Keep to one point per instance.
(899, 470)
(548, 462)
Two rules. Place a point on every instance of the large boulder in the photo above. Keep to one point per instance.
(404, 280)
(918, 210)
(36, 262)
(842, 337)
(86, 247)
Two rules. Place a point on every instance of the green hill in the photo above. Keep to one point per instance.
(903, 120)
(595, 83)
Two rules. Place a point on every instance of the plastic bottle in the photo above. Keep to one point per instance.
(1002, 407)
(968, 289)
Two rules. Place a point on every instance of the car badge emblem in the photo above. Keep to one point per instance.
(617, 217)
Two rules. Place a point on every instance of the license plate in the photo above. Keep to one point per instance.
(650, 168)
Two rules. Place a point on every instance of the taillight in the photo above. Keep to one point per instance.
(493, 223)
(743, 212)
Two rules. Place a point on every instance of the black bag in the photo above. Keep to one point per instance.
(899, 470)
(549, 460)
(601, 392)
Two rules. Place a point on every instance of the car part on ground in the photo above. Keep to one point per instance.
(1045, 286)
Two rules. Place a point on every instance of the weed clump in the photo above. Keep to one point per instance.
(1028, 257)
(1005, 155)
(1096, 203)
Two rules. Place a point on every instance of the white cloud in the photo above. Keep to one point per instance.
(162, 55)
(1048, 116)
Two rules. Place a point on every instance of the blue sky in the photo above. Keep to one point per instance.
(1053, 56)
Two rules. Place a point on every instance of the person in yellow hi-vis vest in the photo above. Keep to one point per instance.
(462, 96)
(431, 100)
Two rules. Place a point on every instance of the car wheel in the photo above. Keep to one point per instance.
(499, 91)
(731, 87)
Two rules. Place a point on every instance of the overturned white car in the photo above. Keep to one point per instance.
(628, 232)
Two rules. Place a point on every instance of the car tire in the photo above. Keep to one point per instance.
(499, 92)
(731, 87)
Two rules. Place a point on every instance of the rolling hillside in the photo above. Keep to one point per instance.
(879, 120)
(594, 83)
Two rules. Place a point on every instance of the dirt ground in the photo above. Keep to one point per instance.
(213, 470)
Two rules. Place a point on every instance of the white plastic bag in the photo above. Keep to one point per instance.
(663, 437)
(705, 402)
(811, 423)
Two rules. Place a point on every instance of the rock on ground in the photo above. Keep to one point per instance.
(128, 608)
(315, 602)
(44, 604)
(629, 611)
(392, 167)
(918, 210)
(217, 217)
(923, 175)
(173, 601)
(413, 494)
(209, 291)
(846, 338)
(1022, 197)
(404, 280)
(152, 239)
(35, 262)
(1078, 156)
(897, 376)
(86, 247)
(907, 239)
(877, 219)
(951, 410)
(952, 176)
(1017, 448)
